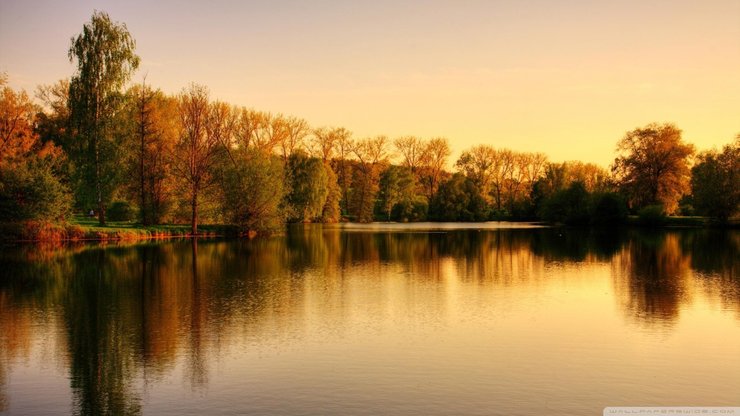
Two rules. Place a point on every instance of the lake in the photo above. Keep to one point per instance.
(463, 319)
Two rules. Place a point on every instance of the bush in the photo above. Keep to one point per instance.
(121, 211)
(652, 215)
(458, 199)
(569, 206)
(608, 208)
(30, 191)
(415, 210)
(252, 191)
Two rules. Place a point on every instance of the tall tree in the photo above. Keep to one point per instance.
(397, 185)
(308, 187)
(715, 182)
(106, 59)
(370, 154)
(201, 139)
(412, 151)
(344, 146)
(324, 141)
(653, 166)
(434, 160)
(155, 120)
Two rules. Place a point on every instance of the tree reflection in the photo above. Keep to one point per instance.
(651, 279)
(102, 333)
(130, 313)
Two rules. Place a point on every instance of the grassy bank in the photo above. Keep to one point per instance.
(680, 221)
(81, 228)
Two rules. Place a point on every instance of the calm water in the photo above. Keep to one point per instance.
(375, 320)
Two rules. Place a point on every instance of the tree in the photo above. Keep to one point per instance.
(205, 128)
(155, 119)
(292, 136)
(325, 140)
(653, 166)
(370, 154)
(434, 160)
(105, 57)
(29, 187)
(252, 191)
(17, 135)
(458, 199)
(569, 206)
(331, 213)
(715, 182)
(344, 146)
(308, 187)
(397, 185)
(412, 151)
(53, 119)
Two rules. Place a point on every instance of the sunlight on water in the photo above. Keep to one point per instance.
(477, 320)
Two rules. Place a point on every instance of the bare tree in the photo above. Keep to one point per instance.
(200, 141)
(370, 153)
(324, 141)
(344, 147)
(412, 151)
(292, 138)
(434, 159)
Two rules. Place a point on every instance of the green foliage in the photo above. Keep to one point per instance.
(365, 186)
(715, 182)
(397, 188)
(252, 191)
(568, 206)
(410, 210)
(105, 57)
(608, 208)
(308, 187)
(30, 191)
(458, 199)
(330, 213)
(121, 211)
(652, 215)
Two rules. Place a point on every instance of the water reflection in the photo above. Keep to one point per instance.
(125, 316)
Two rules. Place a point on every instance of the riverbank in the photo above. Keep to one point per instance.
(81, 228)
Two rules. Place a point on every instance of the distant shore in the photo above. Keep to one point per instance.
(82, 229)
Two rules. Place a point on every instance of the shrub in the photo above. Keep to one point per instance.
(652, 215)
(411, 210)
(30, 191)
(121, 211)
(608, 208)
(458, 199)
(569, 206)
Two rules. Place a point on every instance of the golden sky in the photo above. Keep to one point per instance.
(567, 78)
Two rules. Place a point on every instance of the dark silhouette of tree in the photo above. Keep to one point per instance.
(715, 182)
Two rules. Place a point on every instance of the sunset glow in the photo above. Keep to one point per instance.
(566, 78)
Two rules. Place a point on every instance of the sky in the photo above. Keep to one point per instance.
(567, 78)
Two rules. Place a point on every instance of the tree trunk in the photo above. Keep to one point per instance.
(142, 133)
(98, 185)
(194, 205)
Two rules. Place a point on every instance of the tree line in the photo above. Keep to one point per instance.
(98, 145)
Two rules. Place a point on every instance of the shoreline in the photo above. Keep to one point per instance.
(32, 232)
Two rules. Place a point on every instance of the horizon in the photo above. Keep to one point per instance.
(505, 74)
